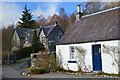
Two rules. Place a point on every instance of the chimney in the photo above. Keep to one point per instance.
(79, 12)
(56, 23)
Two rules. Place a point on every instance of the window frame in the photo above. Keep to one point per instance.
(72, 52)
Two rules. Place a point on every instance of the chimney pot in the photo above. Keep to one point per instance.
(56, 23)
(79, 12)
(78, 8)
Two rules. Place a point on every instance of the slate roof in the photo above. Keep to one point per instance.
(21, 33)
(47, 29)
(25, 32)
(100, 26)
(29, 35)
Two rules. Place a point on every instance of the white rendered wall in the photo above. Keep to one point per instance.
(107, 60)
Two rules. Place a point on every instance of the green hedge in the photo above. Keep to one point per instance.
(23, 52)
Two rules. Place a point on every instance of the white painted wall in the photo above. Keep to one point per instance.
(108, 63)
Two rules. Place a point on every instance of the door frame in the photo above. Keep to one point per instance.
(97, 58)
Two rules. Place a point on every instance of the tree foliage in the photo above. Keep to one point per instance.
(6, 40)
(92, 7)
(36, 45)
(111, 5)
(26, 20)
(6, 37)
(72, 19)
(35, 41)
(63, 20)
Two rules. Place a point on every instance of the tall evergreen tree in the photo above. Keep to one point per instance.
(35, 41)
(26, 20)
(36, 45)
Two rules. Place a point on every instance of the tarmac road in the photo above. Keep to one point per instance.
(14, 71)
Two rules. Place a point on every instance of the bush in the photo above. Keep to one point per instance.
(59, 68)
(23, 52)
(34, 71)
(37, 70)
(45, 61)
(41, 63)
(41, 71)
(4, 54)
(52, 61)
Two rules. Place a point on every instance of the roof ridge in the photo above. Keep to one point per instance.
(100, 12)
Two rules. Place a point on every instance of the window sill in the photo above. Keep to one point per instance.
(72, 62)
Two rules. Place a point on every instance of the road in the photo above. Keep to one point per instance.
(14, 71)
(11, 73)
(64, 75)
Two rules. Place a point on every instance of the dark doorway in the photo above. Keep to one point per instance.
(96, 56)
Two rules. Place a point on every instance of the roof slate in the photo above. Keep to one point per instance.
(23, 32)
(99, 27)
(47, 29)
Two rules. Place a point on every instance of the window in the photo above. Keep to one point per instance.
(43, 39)
(72, 55)
(50, 42)
(58, 38)
(72, 52)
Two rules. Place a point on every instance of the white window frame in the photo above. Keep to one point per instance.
(72, 53)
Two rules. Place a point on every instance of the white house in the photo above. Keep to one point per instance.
(92, 44)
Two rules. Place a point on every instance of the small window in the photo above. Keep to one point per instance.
(72, 52)
(43, 39)
(50, 42)
(58, 38)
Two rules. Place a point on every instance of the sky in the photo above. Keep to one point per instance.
(11, 11)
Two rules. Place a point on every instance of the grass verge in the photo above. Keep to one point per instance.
(21, 60)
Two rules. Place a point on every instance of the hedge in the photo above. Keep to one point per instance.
(23, 52)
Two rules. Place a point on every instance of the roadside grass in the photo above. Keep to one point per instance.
(113, 75)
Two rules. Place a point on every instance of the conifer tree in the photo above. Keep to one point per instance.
(26, 20)
(36, 45)
(35, 41)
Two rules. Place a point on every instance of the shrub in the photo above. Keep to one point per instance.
(41, 63)
(37, 70)
(41, 71)
(52, 61)
(36, 45)
(34, 71)
(23, 52)
(59, 68)
(4, 54)
(46, 61)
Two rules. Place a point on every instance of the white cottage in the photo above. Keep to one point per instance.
(92, 44)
